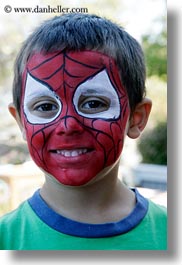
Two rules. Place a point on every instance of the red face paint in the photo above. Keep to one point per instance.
(74, 111)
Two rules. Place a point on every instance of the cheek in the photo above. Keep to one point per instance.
(110, 136)
(36, 140)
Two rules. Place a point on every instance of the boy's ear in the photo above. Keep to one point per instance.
(15, 114)
(139, 118)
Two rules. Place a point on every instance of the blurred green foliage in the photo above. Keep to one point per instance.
(157, 92)
(153, 145)
(155, 49)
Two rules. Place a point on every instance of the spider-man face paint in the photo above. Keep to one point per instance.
(74, 111)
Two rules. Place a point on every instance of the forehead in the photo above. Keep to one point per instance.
(72, 68)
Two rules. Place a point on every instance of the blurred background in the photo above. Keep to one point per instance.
(143, 163)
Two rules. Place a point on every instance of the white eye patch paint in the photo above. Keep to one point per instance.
(95, 90)
(95, 98)
(38, 101)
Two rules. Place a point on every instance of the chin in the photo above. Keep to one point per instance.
(80, 175)
(70, 177)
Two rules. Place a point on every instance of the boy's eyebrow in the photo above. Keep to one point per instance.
(98, 89)
(90, 91)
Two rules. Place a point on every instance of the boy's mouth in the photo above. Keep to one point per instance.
(72, 153)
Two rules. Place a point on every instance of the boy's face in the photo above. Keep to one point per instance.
(74, 111)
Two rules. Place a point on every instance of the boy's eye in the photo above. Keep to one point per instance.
(91, 105)
(45, 109)
(41, 105)
(97, 98)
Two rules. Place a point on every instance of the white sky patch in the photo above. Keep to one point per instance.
(143, 17)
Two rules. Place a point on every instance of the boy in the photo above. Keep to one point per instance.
(78, 90)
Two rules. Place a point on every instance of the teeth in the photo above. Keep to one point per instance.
(72, 153)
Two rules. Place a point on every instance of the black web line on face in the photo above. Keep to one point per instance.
(108, 135)
(98, 133)
(125, 106)
(65, 71)
(54, 73)
(124, 109)
(115, 85)
(31, 140)
(41, 157)
(116, 146)
(34, 149)
(42, 151)
(81, 63)
(45, 61)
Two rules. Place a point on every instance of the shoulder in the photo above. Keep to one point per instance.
(157, 210)
(157, 217)
(11, 225)
(153, 228)
(13, 216)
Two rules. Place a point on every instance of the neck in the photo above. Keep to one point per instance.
(104, 200)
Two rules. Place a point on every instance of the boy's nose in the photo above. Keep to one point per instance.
(69, 126)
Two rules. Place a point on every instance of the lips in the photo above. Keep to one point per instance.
(71, 153)
(67, 158)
